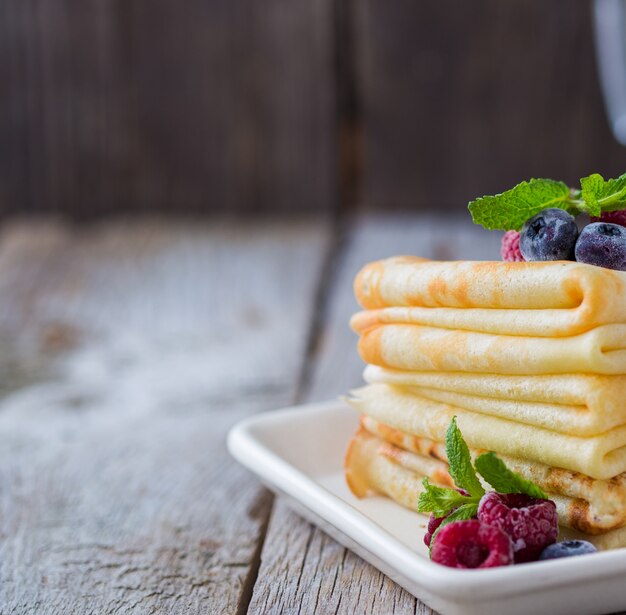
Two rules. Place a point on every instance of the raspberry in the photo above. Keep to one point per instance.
(531, 523)
(510, 247)
(435, 522)
(614, 217)
(469, 544)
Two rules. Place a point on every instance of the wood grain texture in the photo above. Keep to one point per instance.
(127, 352)
(234, 104)
(302, 569)
(462, 99)
(110, 105)
(66, 134)
(250, 107)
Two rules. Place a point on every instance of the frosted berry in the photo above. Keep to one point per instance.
(614, 217)
(549, 236)
(433, 525)
(469, 544)
(531, 523)
(602, 244)
(567, 548)
(435, 522)
(509, 249)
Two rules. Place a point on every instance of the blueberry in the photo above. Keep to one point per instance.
(602, 244)
(549, 236)
(567, 548)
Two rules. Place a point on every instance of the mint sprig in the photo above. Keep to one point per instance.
(510, 209)
(439, 500)
(601, 195)
(461, 469)
(495, 472)
(450, 503)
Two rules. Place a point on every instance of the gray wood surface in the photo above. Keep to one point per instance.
(302, 570)
(127, 352)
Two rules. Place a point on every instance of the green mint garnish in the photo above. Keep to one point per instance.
(461, 469)
(509, 210)
(442, 501)
(439, 500)
(601, 195)
(495, 472)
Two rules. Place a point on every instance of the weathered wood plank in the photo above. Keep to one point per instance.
(302, 569)
(460, 99)
(146, 105)
(127, 352)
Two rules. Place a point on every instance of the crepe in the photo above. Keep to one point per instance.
(591, 391)
(578, 404)
(376, 467)
(593, 505)
(602, 456)
(411, 347)
(537, 299)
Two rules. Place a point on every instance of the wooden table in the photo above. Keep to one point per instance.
(128, 350)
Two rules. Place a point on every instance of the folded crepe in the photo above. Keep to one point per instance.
(578, 404)
(546, 299)
(592, 505)
(460, 339)
(602, 456)
(375, 466)
(415, 348)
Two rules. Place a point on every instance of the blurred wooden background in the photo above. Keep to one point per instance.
(292, 105)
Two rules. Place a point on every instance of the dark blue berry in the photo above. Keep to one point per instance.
(549, 236)
(602, 244)
(567, 548)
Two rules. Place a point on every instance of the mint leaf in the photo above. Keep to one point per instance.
(462, 513)
(439, 500)
(509, 210)
(590, 189)
(600, 195)
(503, 480)
(460, 462)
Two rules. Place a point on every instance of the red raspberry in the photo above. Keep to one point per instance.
(469, 544)
(614, 217)
(510, 247)
(435, 522)
(531, 523)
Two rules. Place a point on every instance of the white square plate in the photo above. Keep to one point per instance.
(298, 452)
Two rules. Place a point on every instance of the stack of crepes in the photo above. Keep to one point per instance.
(530, 358)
